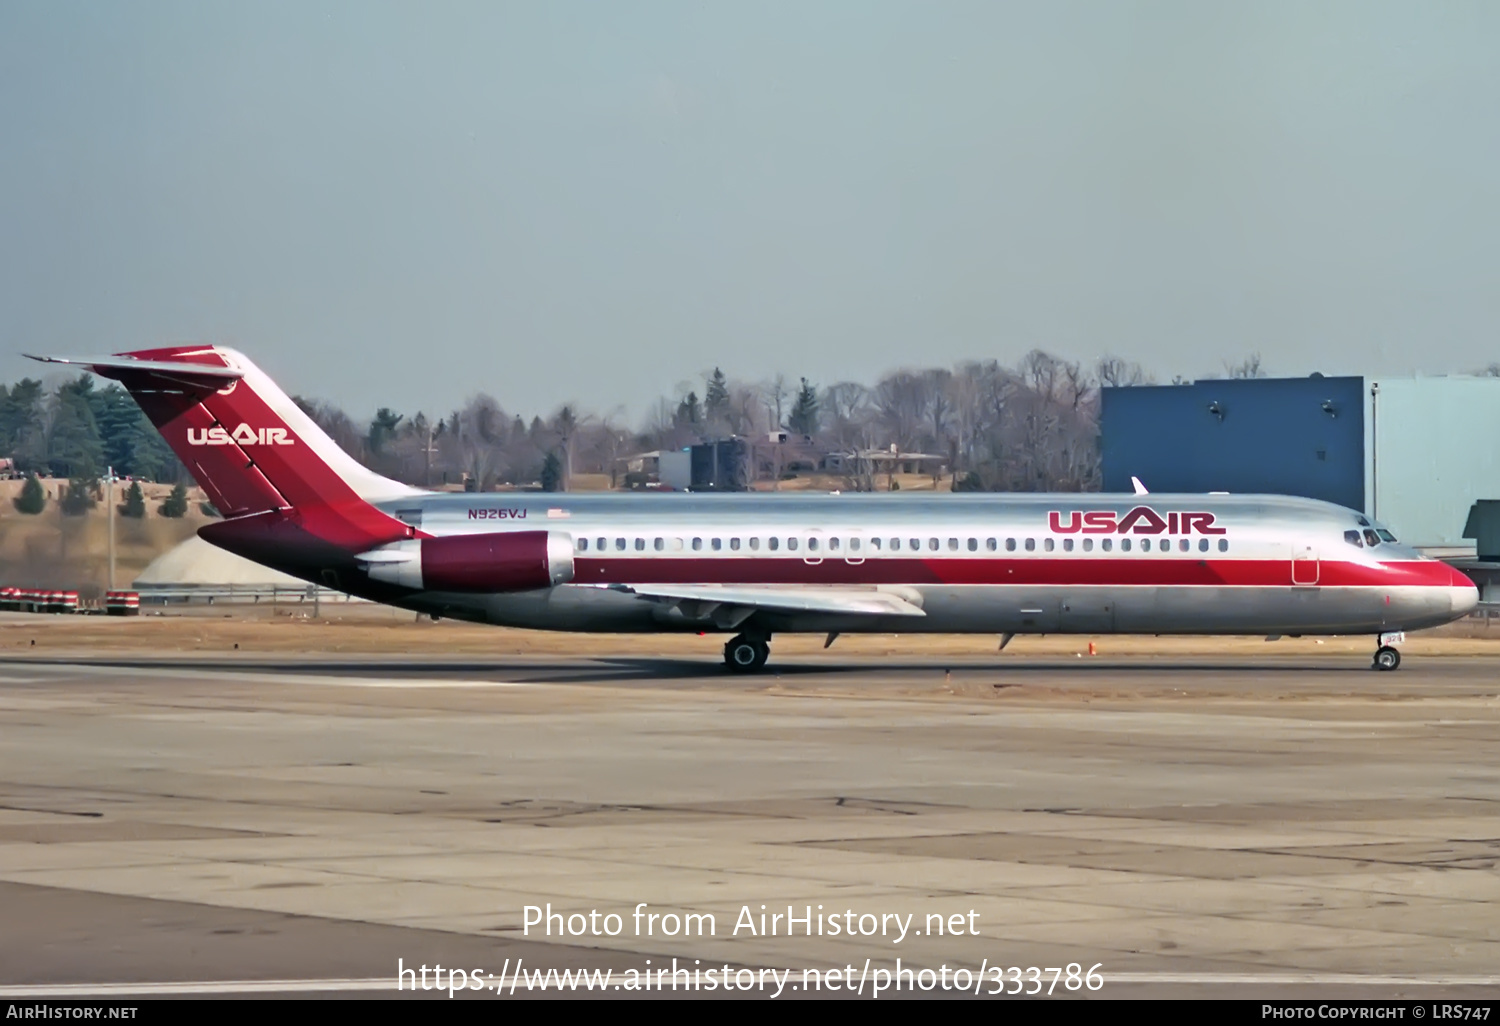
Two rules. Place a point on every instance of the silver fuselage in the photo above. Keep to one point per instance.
(1042, 563)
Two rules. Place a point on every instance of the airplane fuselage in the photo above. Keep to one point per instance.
(1045, 563)
(756, 565)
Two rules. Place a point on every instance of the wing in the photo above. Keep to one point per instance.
(730, 605)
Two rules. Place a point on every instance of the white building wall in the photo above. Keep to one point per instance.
(1434, 448)
(676, 469)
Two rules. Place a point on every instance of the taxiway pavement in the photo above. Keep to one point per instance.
(1198, 827)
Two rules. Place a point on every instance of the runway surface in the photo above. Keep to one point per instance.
(1203, 827)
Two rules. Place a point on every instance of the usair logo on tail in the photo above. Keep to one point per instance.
(242, 435)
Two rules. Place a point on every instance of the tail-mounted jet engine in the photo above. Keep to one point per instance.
(490, 562)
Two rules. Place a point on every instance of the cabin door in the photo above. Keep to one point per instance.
(1305, 566)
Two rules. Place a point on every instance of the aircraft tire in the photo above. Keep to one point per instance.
(744, 654)
(1387, 658)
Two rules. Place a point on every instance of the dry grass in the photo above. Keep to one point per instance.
(49, 550)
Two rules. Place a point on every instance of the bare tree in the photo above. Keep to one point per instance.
(900, 401)
(1114, 372)
(775, 394)
(1249, 367)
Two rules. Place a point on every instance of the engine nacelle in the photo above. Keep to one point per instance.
(489, 562)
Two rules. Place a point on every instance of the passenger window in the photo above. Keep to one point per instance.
(874, 543)
(952, 544)
(791, 543)
(600, 544)
(659, 544)
(676, 544)
(1372, 539)
(1088, 545)
(1010, 545)
(915, 544)
(734, 545)
(833, 544)
(1067, 544)
(640, 545)
(773, 543)
(812, 544)
(755, 543)
(716, 544)
(1047, 543)
(1352, 537)
(895, 544)
(620, 544)
(932, 543)
(973, 544)
(1183, 544)
(583, 544)
(1124, 544)
(1030, 544)
(697, 544)
(990, 544)
(1202, 544)
(1223, 544)
(1106, 544)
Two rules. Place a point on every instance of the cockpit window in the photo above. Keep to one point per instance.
(1352, 537)
(1385, 535)
(1371, 538)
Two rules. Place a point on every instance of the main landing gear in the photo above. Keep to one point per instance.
(747, 653)
(1386, 658)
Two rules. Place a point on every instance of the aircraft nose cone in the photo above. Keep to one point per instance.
(1462, 593)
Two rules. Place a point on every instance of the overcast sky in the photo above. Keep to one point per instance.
(406, 203)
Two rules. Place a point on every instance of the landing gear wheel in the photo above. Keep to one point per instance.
(1387, 658)
(744, 654)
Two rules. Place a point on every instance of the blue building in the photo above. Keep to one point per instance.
(1287, 436)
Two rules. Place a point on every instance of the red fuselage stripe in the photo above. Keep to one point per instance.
(1116, 571)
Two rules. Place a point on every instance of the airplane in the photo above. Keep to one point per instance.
(755, 566)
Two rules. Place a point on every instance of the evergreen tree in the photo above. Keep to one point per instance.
(32, 499)
(73, 447)
(382, 429)
(804, 416)
(115, 413)
(128, 441)
(146, 454)
(688, 414)
(135, 502)
(716, 397)
(23, 424)
(176, 504)
(78, 496)
(551, 472)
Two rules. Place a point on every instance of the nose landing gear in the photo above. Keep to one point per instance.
(1386, 658)
(746, 653)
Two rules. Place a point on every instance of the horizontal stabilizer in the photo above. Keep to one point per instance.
(783, 599)
(170, 368)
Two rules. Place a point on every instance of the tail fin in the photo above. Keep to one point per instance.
(246, 443)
